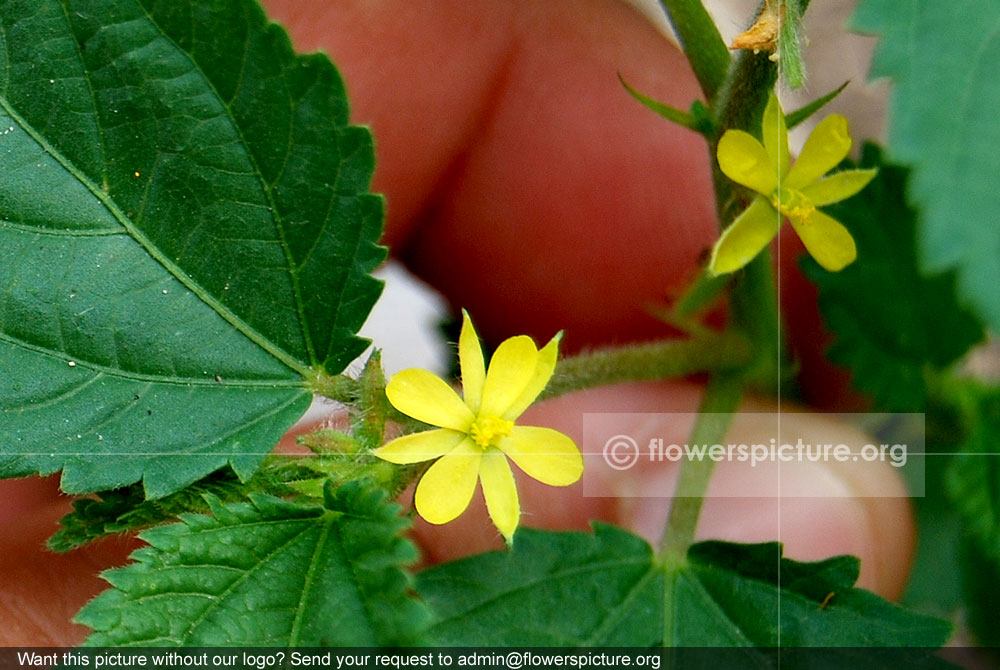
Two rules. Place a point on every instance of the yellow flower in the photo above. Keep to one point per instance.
(477, 434)
(793, 191)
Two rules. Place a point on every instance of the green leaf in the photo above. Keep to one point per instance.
(186, 239)
(565, 589)
(668, 112)
(944, 60)
(269, 573)
(757, 601)
(973, 477)
(981, 586)
(126, 509)
(700, 294)
(608, 589)
(110, 512)
(793, 119)
(972, 482)
(890, 320)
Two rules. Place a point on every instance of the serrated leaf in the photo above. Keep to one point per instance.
(270, 573)
(608, 589)
(890, 320)
(796, 604)
(110, 512)
(560, 589)
(127, 510)
(185, 238)
(944, 60)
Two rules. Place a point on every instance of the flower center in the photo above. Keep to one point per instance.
(793, 204)
(488, 430)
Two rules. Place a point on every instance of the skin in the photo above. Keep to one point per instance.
(527, 187)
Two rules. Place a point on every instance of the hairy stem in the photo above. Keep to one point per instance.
(722, 395)
(710, 352)
(739, 104)
(339, 388)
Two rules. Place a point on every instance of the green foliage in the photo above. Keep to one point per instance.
(186, 242)
(891, 321)
(973, 478)
(337, 457)
(185, 238)
(267, 573)
(701, 123)
(747, 582)
(944, 61)
(120, 511)
(575, 589)
(929, 588)
(792, 119)
(567, 589)
(981, 585)
(126, 509)
(972, 481)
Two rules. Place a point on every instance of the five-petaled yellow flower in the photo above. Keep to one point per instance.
(477, 434)
(793, 191)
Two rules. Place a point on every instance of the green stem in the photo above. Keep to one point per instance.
(340, 388)
(739, 104)
(793, 69)
(708, 351)
(755, 312)
(741, 100)
(701, 41)
(722, 396)
(712, 352)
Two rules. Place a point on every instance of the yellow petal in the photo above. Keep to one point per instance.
(511, 368)
(447, 487)
(827, 145)
(826, 240)
(837, 187)
(419, 447)
(745, 237)
(427, 398)
(500, 493)
(544, 368)
(744, 160)
(544, 454)
(775, 135)
(470, 358)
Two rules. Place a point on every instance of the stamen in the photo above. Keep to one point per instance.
(793, 204)
(487, 431)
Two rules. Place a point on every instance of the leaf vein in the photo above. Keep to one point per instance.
(144, 377)
(309, 583)
(542, 579)
(615, 615)
(246, 575)
(210, 300)
(277, 218)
